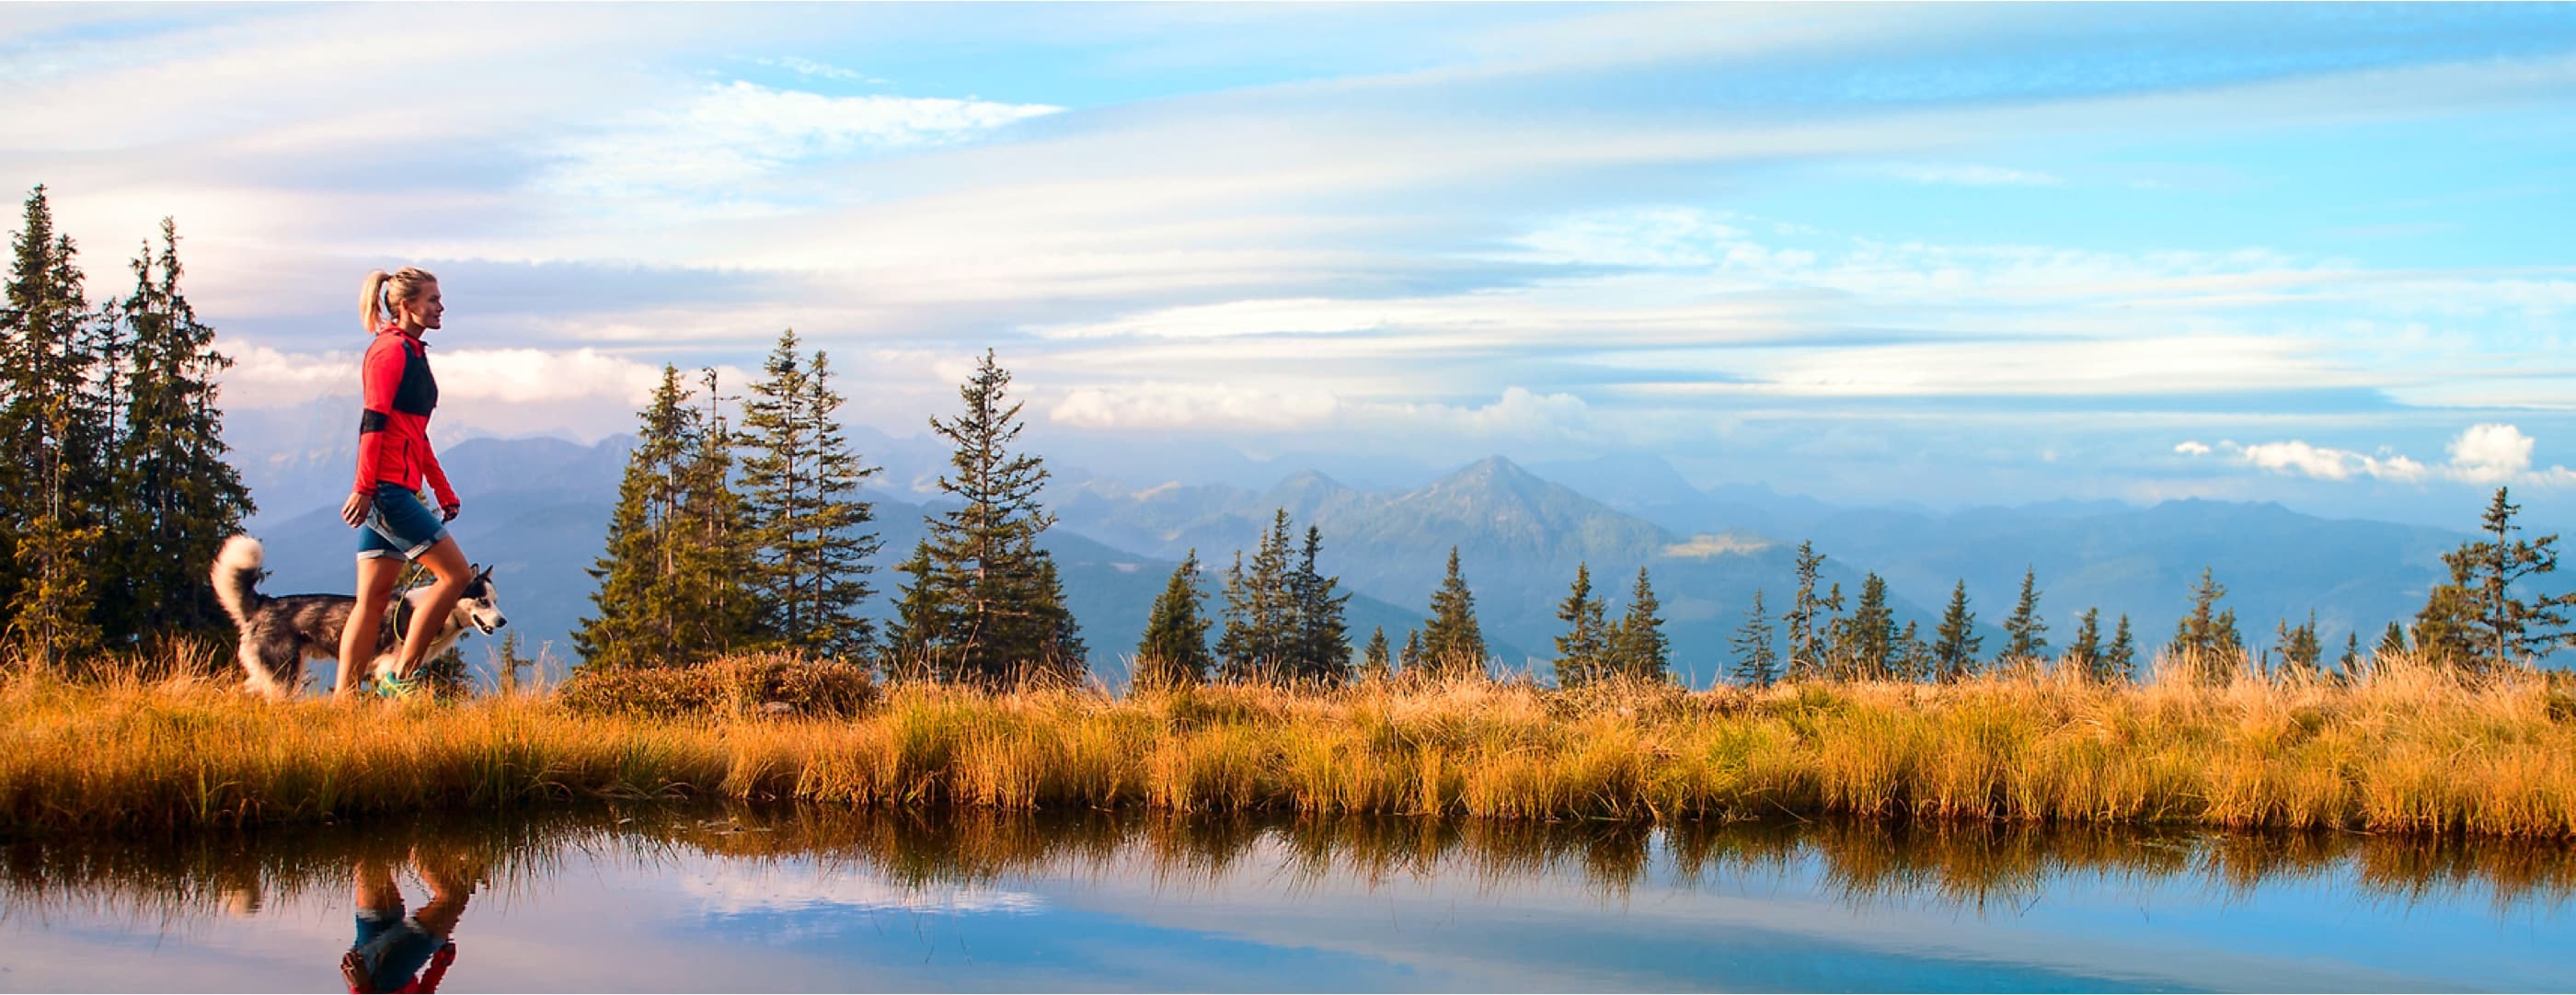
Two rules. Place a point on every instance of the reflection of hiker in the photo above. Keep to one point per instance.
(391, 949)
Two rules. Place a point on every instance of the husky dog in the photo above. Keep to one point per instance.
(279, 634)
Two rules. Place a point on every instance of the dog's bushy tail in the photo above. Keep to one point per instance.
(237, 577)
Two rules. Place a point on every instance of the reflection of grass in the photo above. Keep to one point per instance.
(1983, 867)
(2405, 749)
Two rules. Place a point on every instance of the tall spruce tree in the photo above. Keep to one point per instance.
(1586, 641)
(635, 615)
(2120, 662)
(1913, 656)
(2297, 648)
(715, 566)
(2026, 633)
(1321, 642)
(1376, 663)
(1954, 653)
(1805, 616)
(2084, 653)
(50, 428)
(1637, 646)
(1870, 638)
(2491, 626)
(1756, 663)
(1261, 611)
(2349, 664)
(1410, 659)
(2206, 639)
(808, 526)
(1452, 644)
(1174, 651)
(2392, 642)
(1008, 619)
(919, 627)
(174, 497)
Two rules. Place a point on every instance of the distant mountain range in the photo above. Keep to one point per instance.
(537, 509)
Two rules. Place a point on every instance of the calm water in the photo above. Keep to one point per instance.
(745, 899)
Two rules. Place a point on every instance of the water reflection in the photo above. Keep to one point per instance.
(1862, 864)
(672, 890)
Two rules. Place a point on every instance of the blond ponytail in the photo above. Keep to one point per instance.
(378, 292)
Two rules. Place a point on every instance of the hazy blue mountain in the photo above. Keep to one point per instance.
(537, 509)
(1519, 538)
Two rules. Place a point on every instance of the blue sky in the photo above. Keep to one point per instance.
(1949, 254)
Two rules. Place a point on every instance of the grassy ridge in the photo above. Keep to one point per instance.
(2408, 748)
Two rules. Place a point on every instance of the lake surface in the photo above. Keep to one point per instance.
(657, 898)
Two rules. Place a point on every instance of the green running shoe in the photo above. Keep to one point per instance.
(396, 687)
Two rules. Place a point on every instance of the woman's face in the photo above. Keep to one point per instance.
(422, 309)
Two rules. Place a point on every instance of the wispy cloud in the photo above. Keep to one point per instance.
(819, 70)
(1969, 175)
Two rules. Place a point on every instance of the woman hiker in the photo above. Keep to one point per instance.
(393, 458)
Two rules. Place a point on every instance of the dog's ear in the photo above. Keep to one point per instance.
(483, 574)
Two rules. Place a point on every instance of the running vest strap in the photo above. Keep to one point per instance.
(393, 430)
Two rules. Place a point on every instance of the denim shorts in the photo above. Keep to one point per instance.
(392, 949)
(398, 526)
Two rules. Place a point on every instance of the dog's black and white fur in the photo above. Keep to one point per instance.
(279, 634)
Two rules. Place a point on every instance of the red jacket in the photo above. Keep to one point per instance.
(393, 431)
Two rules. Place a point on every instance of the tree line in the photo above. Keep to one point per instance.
(116, 491)
(2477, 620)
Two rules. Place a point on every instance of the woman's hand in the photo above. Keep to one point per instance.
(448, 513)
(354, 510)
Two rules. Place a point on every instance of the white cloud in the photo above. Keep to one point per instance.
(819, 70)
(723, 887)
(1156, 404)
(2487, 453)
(2490, 453)
(263, 377)
(733, 133)
(1957, 174)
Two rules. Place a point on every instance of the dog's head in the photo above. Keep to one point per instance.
(480, 605)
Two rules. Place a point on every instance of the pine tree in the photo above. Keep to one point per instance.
(1452, 644)
(1376, 664)
(2392, 642)
(2349, 664)
(672, 585)
(1913, 656)
(2499, 628)
(1581, 650)
(1870, 639)
(1637, 645)
(1411, 659)
(1804, 612)
(1756, 664)
(715, 565)
(808, 527)
(175, 496)
(1009, 618)
(1174, 652)
(2206, 638)
(1954, 654)
(2119, 663)
(50, 428)
(2026, 631)
(1321, 642)
(920, 625)
(2084, 654)
(2300, 651)
(1261, 612)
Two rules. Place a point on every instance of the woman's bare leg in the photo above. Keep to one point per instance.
(376, 575)
(447, 562)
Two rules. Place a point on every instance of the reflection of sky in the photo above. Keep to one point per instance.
(699, 922)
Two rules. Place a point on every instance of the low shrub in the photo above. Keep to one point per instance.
(731, 687)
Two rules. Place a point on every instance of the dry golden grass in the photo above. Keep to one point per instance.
(2406, 748)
